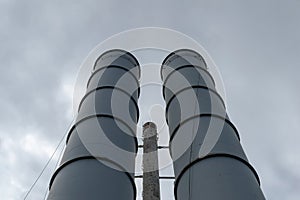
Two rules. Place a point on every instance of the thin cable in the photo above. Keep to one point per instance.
(57, 162)
(61, 140)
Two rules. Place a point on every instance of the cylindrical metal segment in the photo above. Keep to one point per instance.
(185, 77)
(218, 178)
(99, 159)
(209, 162)
(91, 179)
(180, 58)
(110, 101)
(115, 142)
(114, 76)
(186, 142)
(121, 58)
(192, 102)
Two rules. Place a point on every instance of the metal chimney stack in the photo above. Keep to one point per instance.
(99, 159)
(209, 161)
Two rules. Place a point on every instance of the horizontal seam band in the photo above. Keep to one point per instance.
(187, 88)
(102, 115)
(174, 53)
(111, 66)
(113, 88)
(124, 53)
(172, 135)
(190, 66)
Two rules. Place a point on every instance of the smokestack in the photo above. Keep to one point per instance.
(150, 163)
(209, 161)
(99, 159)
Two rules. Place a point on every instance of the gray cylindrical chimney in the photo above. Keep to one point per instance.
(209, 162)
(99, 159)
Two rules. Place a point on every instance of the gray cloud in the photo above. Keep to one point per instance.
(255, 44)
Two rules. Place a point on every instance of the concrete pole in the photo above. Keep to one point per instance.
(151, 189)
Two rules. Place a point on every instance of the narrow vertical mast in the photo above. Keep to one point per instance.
(151, 189)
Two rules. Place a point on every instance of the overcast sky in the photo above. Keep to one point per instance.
(255, 44)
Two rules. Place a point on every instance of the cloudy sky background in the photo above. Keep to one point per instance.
(255, 44)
